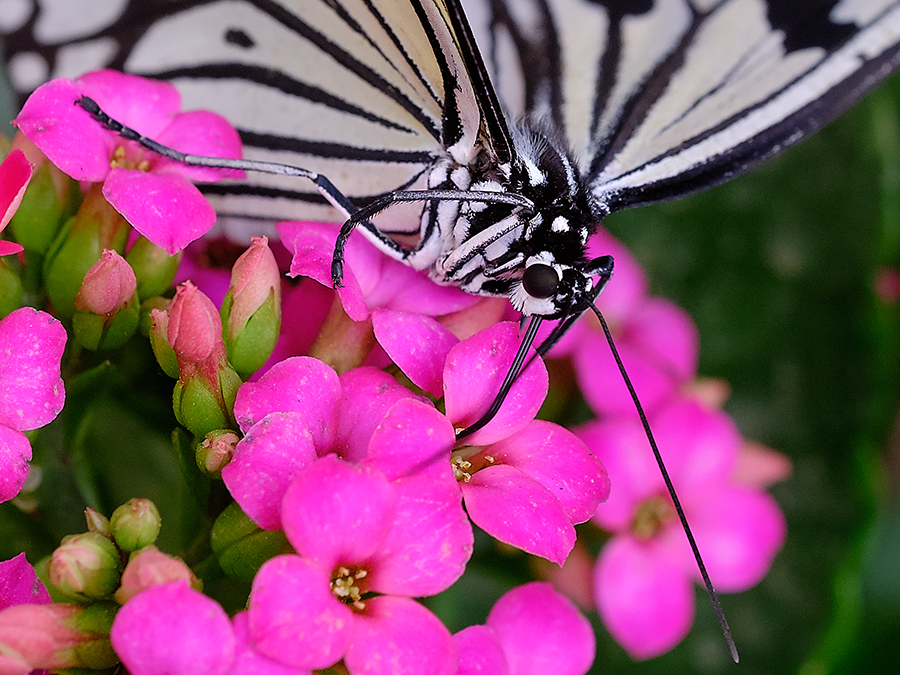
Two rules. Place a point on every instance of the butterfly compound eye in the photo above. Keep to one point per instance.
(540, 281)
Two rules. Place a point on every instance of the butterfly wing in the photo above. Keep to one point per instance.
(366, 92)
(661, 98)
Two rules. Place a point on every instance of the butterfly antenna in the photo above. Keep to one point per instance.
(713, 596)
(511, 375)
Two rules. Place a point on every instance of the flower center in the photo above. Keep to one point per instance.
(468, 461)
(344, 585)
(122, 159)
(652, 516)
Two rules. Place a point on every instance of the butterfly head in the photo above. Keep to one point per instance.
(554, 290)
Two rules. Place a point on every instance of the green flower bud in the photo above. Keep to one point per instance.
(155, 269)
(159, 341)
(85, 567)
(216, 451)
(135, 524)
(97, 522)
(241, 546)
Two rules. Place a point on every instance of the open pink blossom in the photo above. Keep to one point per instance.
(531, 630)
(20, 585)
(347, 592)
(31, 348)
(643, 579)
(248, 661)
(15, 174)
(152, 192)
(172, 629)
(657, 340)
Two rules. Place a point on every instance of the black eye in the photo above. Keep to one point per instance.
(540, 281)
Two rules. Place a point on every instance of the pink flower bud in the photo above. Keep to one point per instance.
(151, 567)
(85, 566)
(195, 329)
(216, 451)
(108, 286)
(254, 278)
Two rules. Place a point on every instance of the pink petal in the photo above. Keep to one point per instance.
(173, 630)
(15, 453)
(397, 636)
(15, 173)
(10, 247)
(293, 616)
(266, 460)
(413, 439)
(335, 512)
(301, 385)
(200, 132)
(368, 395)
(429, 543)
(19, 584)
(645, 599)
(761, 466)
(480, 652)
(542, 632)
(166, 208)
(145, 105)
(473, 373)
(31, 347)
(739, 532)
(560, 461)
(417, 344)
(520, 512)
(248, 661)
(627, 292)
(65, 132)
(667, 336)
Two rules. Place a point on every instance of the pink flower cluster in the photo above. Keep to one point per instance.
(345, 443)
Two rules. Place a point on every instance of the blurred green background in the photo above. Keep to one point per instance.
(778, 269)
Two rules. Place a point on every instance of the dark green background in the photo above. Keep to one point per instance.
(777, 268)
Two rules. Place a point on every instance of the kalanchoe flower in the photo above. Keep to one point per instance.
(643, 576)
(19, 584)
(135, 524)
(15, 172)
(207, 384)
(31, 347)
(106, 305)
(56, 636)
(531, 630)
(248, 661)
(251, 311)
(153, 193)
(357, 533)
(173, 630)
(85, 567)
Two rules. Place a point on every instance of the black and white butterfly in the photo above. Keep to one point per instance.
(511, 127)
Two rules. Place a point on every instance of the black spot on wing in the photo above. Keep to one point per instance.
(806, 23)
(238, 37)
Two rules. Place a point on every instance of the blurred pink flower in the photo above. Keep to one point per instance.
(19, 584)
(643, 576)
(531, 630)
(31, 348)
(15, 173)
(172, 629)
(152, 192)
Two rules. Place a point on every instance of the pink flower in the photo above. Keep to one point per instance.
(531, 630)
(152, 192)
(173, 630)
(657, 340)
(19, 584)
(15, 173)
(248, 661)
(643, 576)
(31, 347)
(365, 545)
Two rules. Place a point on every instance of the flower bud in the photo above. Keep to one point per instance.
(106, 306)
(251, 310)
(57, 636)
(96, 226)
(151, 567)
(241, 546)
(159, 341)
(50, 199)
(135, 524)
(155, 269)
(207, 384)
(97, 522)
(216, 451)
(85, 567)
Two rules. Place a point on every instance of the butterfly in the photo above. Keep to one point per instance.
(497, 132)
